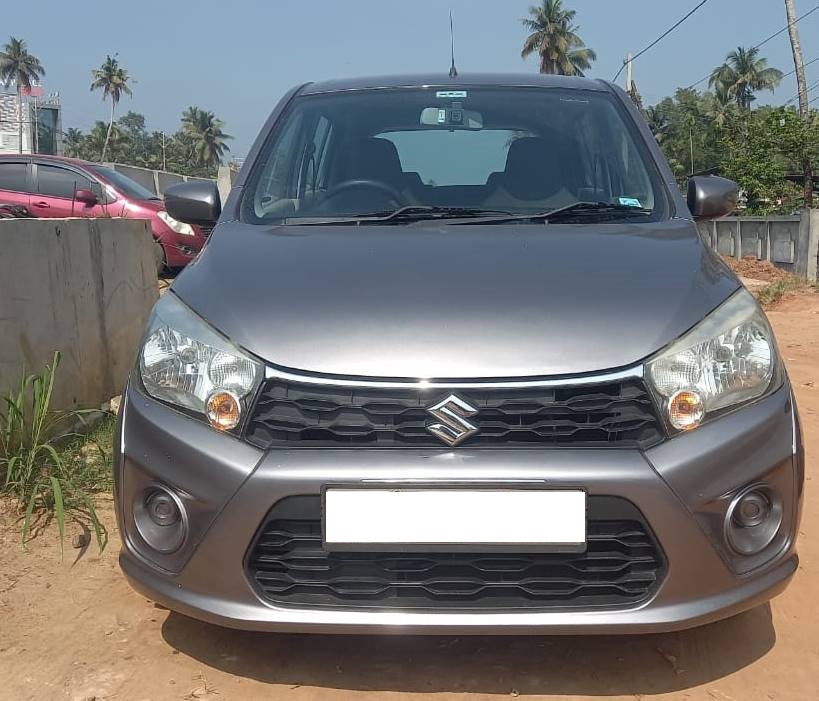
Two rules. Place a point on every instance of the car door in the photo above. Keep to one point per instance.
(15, 182)
(54, 194)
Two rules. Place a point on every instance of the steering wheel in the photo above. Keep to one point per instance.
(363, 184)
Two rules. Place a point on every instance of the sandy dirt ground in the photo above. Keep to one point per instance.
(75, 630)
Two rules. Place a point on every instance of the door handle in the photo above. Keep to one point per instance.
(43, 205)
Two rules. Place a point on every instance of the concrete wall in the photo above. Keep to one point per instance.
(84, 287)
(224, 181)
(790, 243)
(157, 181)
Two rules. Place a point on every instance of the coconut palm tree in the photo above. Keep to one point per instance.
(112, 79)
(743, 73)
(204, 132)
(19, 66)
(554, 38)
(73, 142)
(658, 122)
(103, 138)
(804, 104)
(719, 107)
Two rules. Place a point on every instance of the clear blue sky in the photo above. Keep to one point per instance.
(236, 57)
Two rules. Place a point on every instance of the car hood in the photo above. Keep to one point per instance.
(148, 205)
(454, 302)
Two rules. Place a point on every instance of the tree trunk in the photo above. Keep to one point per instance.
(108, 133)
(20, 116)
(804, 109)
(547, 64)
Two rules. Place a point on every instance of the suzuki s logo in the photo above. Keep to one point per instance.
(452, 426)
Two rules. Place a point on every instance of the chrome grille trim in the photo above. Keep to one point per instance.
(635, 372)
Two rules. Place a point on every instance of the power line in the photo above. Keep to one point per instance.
(763, 42)
(790, 73)
(658, 39)
(807, 90)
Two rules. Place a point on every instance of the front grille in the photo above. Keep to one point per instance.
(621, 567)
(302, 414)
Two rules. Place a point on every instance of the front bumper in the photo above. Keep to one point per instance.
(180, 249)
(682, 487)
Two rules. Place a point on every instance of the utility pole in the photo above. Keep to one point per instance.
(164, 164)
(631, 87)
(691, 142)
(804, 108)
(628, 73)
(36, 129)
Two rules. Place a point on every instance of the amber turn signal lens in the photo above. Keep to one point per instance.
(685, 410)
(223, 410)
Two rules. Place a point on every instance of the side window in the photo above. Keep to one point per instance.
(444, 158)
(315, 159)
(59, 182)
(98, 190)
(596, 175)
(276, 183)
(13, 177)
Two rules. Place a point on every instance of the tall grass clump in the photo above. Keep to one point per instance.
(41, 478)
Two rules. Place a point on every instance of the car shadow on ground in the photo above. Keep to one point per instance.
(590, 665)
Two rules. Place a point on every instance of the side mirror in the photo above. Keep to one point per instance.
(711, 197)
(194, 202)
(88, 198)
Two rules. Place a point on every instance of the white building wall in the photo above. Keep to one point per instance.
(9, 134)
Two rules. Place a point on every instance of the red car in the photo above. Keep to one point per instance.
(50, 186)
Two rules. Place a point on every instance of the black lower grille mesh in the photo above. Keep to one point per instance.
(621, 567)
(294, 414)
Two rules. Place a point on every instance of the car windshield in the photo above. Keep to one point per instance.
(123, 184)
(450, 153)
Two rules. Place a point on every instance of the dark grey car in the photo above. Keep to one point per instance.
(455, 359)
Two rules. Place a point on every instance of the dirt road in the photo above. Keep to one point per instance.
(78, 632)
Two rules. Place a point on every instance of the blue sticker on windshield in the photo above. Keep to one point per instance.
(630, 202)
(451, 93)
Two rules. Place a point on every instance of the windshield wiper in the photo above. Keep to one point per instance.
(477, 215)
(577, 210)
(409, 213)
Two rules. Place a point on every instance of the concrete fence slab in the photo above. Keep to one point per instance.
(789, 242)
(84, 287)
(157, 181)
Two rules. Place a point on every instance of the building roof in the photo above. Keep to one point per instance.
(535, 80)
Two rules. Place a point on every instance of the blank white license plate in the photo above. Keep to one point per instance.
(466, 519)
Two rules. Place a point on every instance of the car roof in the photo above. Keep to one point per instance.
(534, 80)
(45, 157)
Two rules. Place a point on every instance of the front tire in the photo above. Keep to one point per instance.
(159, 258)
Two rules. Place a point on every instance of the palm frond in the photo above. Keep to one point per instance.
(554, 37)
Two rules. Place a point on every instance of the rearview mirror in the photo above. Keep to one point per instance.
(451, 117)
(88, 198)
(194, 202)
(711, 197)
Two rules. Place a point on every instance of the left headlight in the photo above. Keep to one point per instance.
(183, 361)
(176, 225)
(728, 359)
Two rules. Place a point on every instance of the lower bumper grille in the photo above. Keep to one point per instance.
(621, 567)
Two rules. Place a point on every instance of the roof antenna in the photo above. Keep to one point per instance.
(453, 72)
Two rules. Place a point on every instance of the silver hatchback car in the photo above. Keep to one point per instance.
(456, 359)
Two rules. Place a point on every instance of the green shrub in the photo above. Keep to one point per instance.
(32, 469)
(777, 289)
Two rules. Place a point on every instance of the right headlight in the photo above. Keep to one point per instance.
(185, 362)
(176, 225)
(728, 359)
